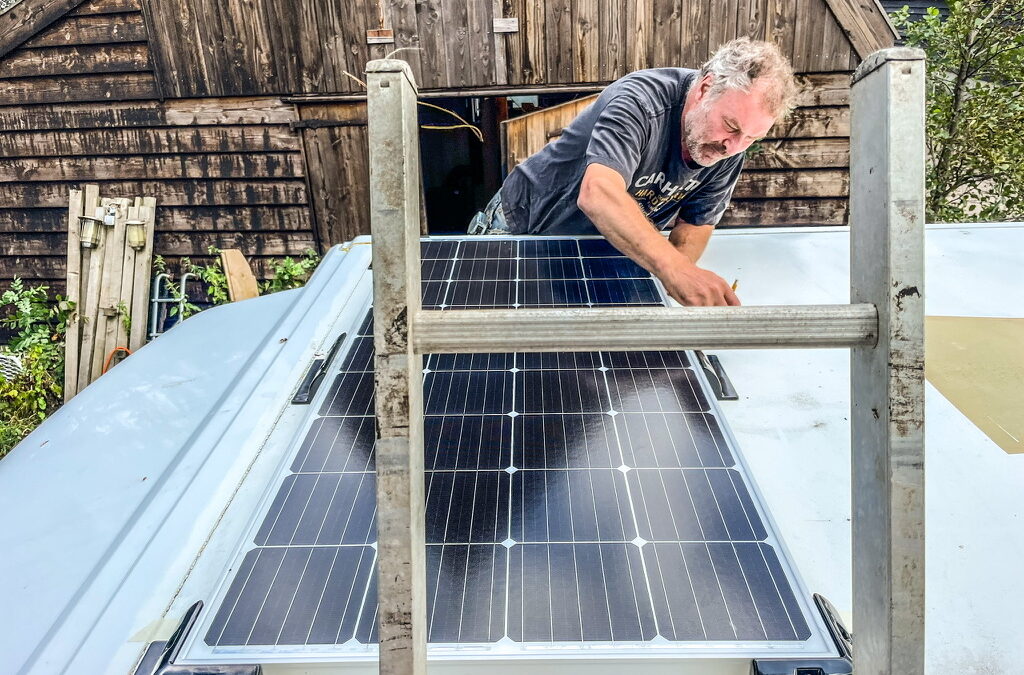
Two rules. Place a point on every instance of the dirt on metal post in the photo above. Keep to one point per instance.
(395, 225)
(887, 163)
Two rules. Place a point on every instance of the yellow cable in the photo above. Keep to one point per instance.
(464, 124)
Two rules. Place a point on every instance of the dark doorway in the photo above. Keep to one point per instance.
(461, 172)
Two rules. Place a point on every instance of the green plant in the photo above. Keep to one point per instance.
(289, 273)
(975, 110)
(187, 308)
(38, 325)
(212, 276)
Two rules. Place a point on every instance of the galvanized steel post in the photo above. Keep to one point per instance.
(887, 270)
(395, 224)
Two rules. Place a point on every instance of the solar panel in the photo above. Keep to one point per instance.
(570, 497)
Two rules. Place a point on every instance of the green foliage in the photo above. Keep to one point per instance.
(213, 277)
(975, 110)
(290, 273)
(38, 326)
(187, 308)
(287, 273)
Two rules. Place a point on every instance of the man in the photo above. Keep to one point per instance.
(659, 148)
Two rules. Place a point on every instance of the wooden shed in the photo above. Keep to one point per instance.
(246, 118)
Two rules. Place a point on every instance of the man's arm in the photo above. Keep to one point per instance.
(604, 199)
(690, 240)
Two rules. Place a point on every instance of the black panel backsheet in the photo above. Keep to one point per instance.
(570, 497)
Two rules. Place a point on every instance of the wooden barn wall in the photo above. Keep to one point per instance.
(81, 105)
(272, 47)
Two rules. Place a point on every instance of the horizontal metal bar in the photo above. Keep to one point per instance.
(643, 328)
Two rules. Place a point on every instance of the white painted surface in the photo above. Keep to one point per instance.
(792, 425)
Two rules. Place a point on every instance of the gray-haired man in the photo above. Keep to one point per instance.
(659, 148)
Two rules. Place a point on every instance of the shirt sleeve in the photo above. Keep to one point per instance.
(621, 132)
(707, 205)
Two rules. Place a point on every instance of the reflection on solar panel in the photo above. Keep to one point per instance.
(570, 497)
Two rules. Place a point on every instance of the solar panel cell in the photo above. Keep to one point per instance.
(565, 442)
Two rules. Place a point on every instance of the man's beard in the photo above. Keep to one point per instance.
(694, 133)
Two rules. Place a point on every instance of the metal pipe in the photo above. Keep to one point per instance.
(644, 328)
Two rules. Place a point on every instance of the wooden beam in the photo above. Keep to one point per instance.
(28, 18)
(148, 141)
(92, 30)
(241, 282)
(887, 270)
(865, 23)
(395, 220)
(141, 282)
(76, 208)
(73, 60)
(147, 113)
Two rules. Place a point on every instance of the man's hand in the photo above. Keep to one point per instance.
(693, 286)
(613, 211)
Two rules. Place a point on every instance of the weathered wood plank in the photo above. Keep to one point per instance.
(586, 19)
(92, 30)
(695, 34)
(865, 25)
(513, 42)
(174, 218)
(337, 165)
(112, 292)
(250, 243)
(109, 87)
(532, 26)
(122, 58)
(793, 184)
(821, 89)
(27, 18)
(611, 54)
(186, 244)
(50, 269)
(668, 30)
(824, 122)
(559, 40)
(141, 277)
(76, 206)
(479, 33)
(458, 54)
(147, 113)
(127, 167)
(151, 141)
(499, 45)
(800, 154)
(170, 192)
(181, 63)
(778, 212)
(90, 7)
(721, 24)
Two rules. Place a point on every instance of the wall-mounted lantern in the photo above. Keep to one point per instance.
(89, 231)
(135, 231)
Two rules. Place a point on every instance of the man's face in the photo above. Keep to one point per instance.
(724, 125)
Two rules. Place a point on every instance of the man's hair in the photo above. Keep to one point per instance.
(741, 62)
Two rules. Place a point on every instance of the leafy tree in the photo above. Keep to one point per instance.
(975, 113)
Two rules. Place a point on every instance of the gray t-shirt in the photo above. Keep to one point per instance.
(634, 127)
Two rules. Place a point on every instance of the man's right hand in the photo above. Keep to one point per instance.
(692, 286)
